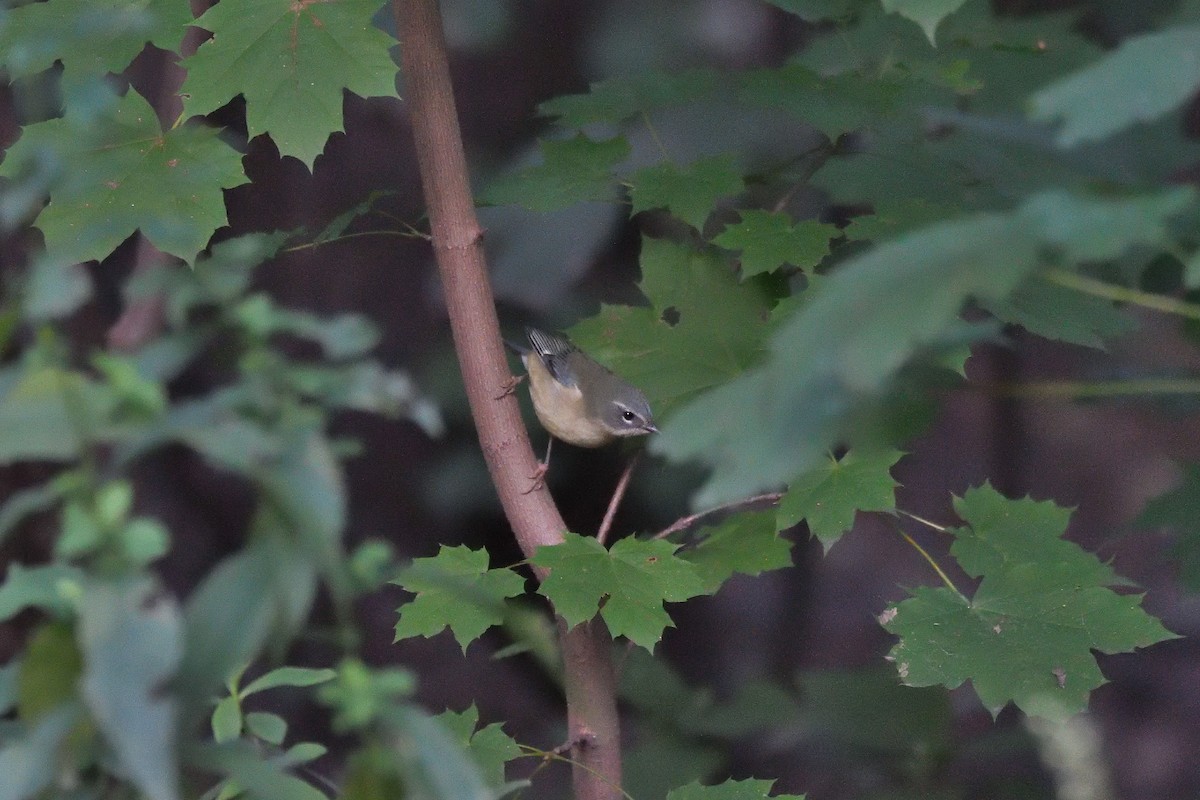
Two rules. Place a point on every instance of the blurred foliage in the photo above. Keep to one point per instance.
(823, 240)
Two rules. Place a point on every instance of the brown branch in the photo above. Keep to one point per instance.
(615, 502)
(456, 235)
(683, 523)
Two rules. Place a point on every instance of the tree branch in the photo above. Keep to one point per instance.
(456, 236)
(683, 523)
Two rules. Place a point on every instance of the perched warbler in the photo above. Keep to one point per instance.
(578, 400)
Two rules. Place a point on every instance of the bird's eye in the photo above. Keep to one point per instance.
(628, 416)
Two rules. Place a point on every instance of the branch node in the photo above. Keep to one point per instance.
(509, 386)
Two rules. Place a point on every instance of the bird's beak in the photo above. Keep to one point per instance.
(649, 427)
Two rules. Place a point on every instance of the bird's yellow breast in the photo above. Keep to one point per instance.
(561, 409)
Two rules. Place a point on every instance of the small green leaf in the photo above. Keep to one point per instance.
(434, 761)
(8, 685)
(288, 676)
(227, 720)
(144, 541)
(25, 502)
(80, 532)
(730, 790)
(628, 584)
(620, 98)
(815, 10)
(132, 641)
(35, 418)
(897, 216)
(50, 671)
(113, 501)
(572, 171)
(1138, 82)
(833, 104)
(872, 315)
(1004, 532)
(745, 543)
(768, 241)
(268, 727)
(90, 37)
(829, 496)
(1179, 510)
(283, 57)
(53, 587)
(302, 753)
(926, 13)
(30, 761)
(1027, 634)
(455, 589)
(251, 773)
(689, 193)
(1057, 312)
(704, 327)
(489, 746)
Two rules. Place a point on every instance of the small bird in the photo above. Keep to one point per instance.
(578, 400)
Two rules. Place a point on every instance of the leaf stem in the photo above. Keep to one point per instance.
(1144, 386)
(925, 553)
(1123, 294)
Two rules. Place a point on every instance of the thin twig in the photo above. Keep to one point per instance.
(1109, 291)
(684, 523)
(618, 496)
(1076, 389)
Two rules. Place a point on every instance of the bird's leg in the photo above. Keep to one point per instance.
(539, 475)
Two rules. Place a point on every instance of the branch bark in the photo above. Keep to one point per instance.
(457, 244)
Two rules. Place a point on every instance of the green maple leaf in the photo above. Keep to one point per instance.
(455, 589)
(1027, 634)
(572, 171)
(291, 62)
(833, 104)
(829, 496)
(1057, 312)
(628, 584)
(729, 790)
(1179, 510)
(768, 241)
(689, 193)
(618, 99)
(1137, 82)
(926, 13)
(815, 10)
(703, 328)
(747, 543)
(90, 37)
(121, 174)
(895, 216)
(489, 746)
(878, 310)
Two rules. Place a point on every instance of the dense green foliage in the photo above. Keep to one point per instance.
(951, 159)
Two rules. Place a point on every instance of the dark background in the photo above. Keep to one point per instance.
(1105, 459)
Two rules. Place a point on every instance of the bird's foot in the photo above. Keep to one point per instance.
(538, 477)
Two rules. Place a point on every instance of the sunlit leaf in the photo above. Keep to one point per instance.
(292, 62)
